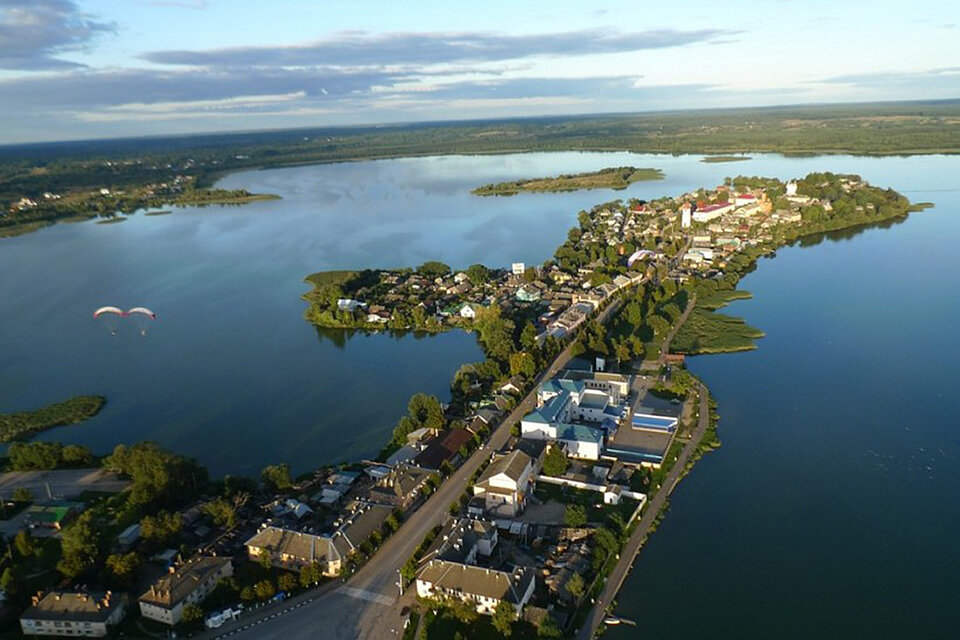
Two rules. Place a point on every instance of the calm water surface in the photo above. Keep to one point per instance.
(830, 511)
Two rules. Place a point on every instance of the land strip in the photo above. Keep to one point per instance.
(647, 522)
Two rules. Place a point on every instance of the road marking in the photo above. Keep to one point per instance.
(369, 596)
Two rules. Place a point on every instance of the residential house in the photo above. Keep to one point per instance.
(485, 588)
(66, 613)
(188, 583)
(401, 487)
(294, 550)
(505, 483)
(461, 540)
(444, 448)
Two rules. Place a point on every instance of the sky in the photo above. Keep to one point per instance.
(78, 69)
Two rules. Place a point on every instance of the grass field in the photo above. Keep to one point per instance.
(706, 331)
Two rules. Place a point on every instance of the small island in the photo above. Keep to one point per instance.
(23, 424)
(609, 178)
(715, 159)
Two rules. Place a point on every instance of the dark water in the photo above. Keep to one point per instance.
(831, 510)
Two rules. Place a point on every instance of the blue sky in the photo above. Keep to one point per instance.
(107, 68)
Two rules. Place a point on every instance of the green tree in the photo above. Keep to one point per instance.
(503, 618)
(555, 463)
(81, 542)
(433, 269)
(478, 274)
(528, 338)
(76, 456)
(548, 628)
(310, 575)
(522, 363)
(22, 494)
(264, 589)
(277, 477)
(25, 544)
(192, 616)
(222, 512)
(159, 477)
(122, 569)
(575, 515)
(575, 585)
(162, 529)
(286, 581)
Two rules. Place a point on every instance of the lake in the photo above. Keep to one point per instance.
(831, 508)
(829, 511)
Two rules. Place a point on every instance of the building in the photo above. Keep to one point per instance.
(686, 211)
(188, 583)
(528, 293)
(709, 212)
(581, 441)
(359, 526)
(461, 540)
(444, 448)
(485, 588)
(401, 487)
(294, 550)
(518, 268)
(63, 613)
(505, 483)
(565, 399)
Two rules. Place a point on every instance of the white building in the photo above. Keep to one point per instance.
(62, 613)
(485, 588)
(505, 483)
(188, 583)
(293, 550)
(518, 268)
(686, 212)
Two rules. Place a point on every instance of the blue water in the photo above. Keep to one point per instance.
(831, 509)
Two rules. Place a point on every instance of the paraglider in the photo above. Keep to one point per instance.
(144, 315)
(108, 312)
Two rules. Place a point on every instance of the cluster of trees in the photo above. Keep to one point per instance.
(423, 411)
(277, 477)
(42, 456)
(159, 478)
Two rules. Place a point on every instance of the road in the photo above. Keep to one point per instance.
(367, 606)
(63, 483)
(639, 536)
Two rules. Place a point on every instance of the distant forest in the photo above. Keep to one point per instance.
(881, 128)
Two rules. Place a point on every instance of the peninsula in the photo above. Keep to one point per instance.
(519, 506)
(609, 178)
(23, 424)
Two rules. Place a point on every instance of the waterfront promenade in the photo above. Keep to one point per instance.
(629, 552)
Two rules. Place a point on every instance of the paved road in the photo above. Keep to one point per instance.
(63, 483)
(639, 536)
(367, 606)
